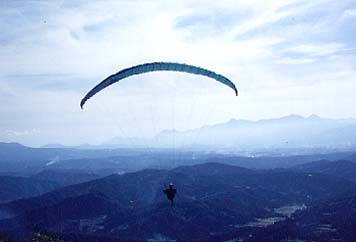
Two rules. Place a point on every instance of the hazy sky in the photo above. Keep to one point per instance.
(284, 57)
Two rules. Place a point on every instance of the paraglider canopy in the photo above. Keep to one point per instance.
(157, 66)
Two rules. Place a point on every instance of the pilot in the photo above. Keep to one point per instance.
(170, 192)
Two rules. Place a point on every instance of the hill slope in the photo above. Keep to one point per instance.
(212, 199)
(342, 168)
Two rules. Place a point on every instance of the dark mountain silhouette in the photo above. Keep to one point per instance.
(335, 218)
(64, 177)
(12, 188)
(212, 199)
(352, 157)
(342, 168)
(332, 220)
(15, 187)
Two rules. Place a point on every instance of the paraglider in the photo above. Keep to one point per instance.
(170, 193)
(157, 66)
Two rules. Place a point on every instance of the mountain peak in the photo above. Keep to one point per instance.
(292, 117)
(54, 145)
(238, 121)
(314, 117)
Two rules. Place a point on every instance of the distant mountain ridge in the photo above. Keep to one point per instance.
(22, 160)
(291, 131)
(288, 132)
